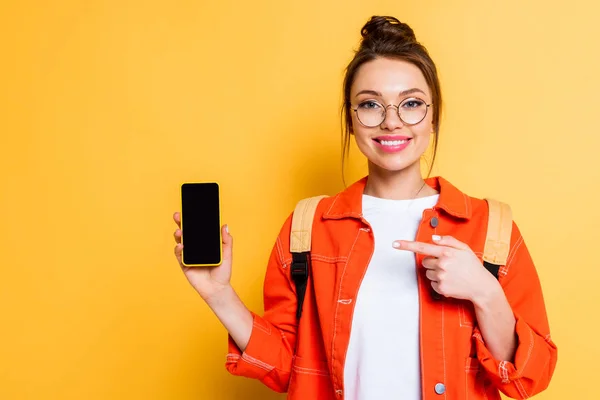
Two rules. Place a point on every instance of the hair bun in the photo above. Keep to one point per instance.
(380, 27)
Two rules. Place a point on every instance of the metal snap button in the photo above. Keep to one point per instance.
(440, 388)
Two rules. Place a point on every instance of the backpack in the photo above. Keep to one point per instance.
(495, 253)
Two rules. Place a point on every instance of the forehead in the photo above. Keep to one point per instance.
(389, 77)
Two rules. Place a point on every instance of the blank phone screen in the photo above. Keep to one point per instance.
(200, 223)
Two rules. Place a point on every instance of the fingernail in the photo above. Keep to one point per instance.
(227, 229)
(436, 238)
(396, 245)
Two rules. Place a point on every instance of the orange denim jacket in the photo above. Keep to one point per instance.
(307, 359)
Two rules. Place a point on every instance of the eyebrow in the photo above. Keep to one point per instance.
(403, 93)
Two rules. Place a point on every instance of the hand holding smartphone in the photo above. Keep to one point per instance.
(202, 242)
(201, 224)
(203, 248)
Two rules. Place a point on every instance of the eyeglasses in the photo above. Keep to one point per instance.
(411, 111)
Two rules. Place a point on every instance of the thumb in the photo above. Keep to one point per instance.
(227, 243)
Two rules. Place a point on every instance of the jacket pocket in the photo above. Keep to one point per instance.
(477, 384)
(310, 379)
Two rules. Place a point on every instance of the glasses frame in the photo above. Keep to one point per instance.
(397, 107)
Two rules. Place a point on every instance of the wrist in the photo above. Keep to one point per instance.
(221, 294)
(486, 295)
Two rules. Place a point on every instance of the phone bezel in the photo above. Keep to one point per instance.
(220, 232)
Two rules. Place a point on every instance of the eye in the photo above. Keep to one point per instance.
(369, 105)
(413, 103)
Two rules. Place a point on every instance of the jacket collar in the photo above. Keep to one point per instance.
(348, 204)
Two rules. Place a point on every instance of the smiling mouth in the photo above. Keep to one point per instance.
(391, 142)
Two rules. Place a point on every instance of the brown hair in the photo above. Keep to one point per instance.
(386, 37)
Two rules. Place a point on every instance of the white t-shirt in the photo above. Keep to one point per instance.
(383, 354)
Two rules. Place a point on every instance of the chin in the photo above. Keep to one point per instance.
(393, 166)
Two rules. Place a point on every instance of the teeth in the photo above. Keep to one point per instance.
(393, 142)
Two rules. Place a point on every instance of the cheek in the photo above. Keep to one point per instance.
(423, 130)
(423, 133)
(423, 143)
(358, 131)
(428, 122)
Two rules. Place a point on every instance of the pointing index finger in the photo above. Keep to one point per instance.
(420, 248)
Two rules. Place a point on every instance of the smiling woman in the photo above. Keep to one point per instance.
(390, 99)
(391, 43)
(399, 303)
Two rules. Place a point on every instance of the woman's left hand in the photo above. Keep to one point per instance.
(452, 267)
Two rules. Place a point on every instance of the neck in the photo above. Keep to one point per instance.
(405, 184)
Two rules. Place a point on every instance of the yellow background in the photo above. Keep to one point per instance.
(107, 106)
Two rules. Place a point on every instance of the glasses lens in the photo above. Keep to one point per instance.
(412, 111)
(370, 113)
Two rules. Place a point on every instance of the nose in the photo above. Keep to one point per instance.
(392, 119)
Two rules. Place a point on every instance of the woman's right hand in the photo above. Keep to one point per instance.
(206, 280)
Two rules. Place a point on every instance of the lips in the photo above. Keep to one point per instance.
(392, 144)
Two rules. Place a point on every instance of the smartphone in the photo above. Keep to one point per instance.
(201, 224)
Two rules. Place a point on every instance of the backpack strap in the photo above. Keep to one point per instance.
(300, 245)
(497, 241)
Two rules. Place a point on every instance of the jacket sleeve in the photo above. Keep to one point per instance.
(535, 357)
(268, 356)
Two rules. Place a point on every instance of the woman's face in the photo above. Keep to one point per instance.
(391, 145)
